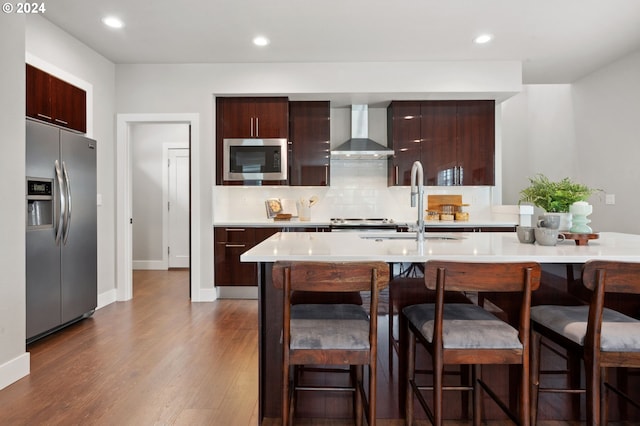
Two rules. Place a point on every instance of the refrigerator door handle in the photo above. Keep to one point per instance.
(63, 204)
(67, 213)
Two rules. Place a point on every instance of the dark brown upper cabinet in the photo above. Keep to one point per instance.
(55, 101)
(255, 117)
(454, 140)
(405, 138)
(309, 134)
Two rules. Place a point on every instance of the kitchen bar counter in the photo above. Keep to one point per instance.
(481, 246)
(335, 246)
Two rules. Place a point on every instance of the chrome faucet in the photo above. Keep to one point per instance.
(417, 192)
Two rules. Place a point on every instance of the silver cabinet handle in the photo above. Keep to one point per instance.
(234, 229)
(63, 204)
(257, 127)
(235, 245)
(44, 116)
(251, 126)
(67, 219)
(61, 121)
(396, 172)
(326, 175)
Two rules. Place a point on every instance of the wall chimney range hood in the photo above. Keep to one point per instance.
(360, 147)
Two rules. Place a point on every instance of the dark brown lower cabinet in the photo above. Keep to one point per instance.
(229, 244)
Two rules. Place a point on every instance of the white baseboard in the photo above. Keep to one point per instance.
(14, 370)
(207, 295)
(152, 265)
(107, 298)
(240, 292)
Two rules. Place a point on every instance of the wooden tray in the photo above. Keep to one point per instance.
(580, 239)
(435, 201)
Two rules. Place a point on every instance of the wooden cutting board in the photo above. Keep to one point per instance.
(435, 201)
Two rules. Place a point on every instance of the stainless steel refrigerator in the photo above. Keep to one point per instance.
(61, 240)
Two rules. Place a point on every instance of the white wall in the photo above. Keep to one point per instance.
(607, 121)
(50, 45)
(537, 137)
(588, 131)
(147, 140)
(14, 361)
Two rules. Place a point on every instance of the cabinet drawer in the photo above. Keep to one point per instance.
(234, 235)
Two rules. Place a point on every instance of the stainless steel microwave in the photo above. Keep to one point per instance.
(254, 159)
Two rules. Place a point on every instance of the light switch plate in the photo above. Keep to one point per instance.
(610, 199)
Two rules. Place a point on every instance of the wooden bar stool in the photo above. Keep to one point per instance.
(470, 335)
(601, 337)
(331, 334)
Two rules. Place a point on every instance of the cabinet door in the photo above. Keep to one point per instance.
(55, 101)
(476, 142)
(229, 271)
(255, 117)
(69, 105)
(405, 136)
(439, 151)
(38, 94)
(309, 136)
(237, 117)
(271, 117)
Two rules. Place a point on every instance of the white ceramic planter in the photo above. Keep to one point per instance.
(565, 220)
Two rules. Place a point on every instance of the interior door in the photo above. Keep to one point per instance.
(178, 208)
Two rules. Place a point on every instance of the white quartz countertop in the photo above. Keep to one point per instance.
(479, 246)
(294, 222)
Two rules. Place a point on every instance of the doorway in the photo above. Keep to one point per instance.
(124, 216)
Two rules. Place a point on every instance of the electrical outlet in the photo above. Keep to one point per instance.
(610, 199)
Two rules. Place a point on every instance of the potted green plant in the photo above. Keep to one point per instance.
(555, 196)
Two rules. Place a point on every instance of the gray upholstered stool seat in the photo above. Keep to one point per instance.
(464, 326)
(320, 326)
(620, 333)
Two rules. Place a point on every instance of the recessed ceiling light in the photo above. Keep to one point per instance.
(113, 22)
(261, 41)
(483, 38)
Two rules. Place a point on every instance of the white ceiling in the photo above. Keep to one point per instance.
(558, 41)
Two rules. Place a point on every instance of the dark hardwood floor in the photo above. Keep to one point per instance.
(157, 360)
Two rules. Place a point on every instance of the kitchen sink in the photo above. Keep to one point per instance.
(408, 236)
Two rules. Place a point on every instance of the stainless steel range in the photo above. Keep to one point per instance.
(362, 224)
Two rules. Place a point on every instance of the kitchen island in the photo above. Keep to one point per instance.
(397, 248)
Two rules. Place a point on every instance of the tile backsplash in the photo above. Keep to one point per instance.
(358, 189)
